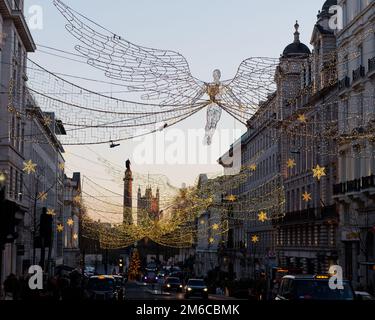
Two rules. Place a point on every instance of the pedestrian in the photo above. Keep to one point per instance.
(11, 287)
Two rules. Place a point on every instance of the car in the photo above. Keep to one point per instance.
(102, 288)
(89, 271)
(312, 287)
(173, 283)
(150, 278)
(151, 267)
(120, 287)
(364, 296)
(196, 288)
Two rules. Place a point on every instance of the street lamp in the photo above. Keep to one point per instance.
(3, 177)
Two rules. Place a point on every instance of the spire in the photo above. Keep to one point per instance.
(296, 34)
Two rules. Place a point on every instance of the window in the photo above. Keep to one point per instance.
(360, 55)
(16, 191)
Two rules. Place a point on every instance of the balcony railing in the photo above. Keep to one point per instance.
(356, 185)
(371, 64)
(344, 83)
(359, 73)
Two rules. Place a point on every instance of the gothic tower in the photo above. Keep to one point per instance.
(128, 195)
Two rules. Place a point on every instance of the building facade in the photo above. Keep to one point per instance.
(208, 241)
(44, 188)
(72, 214)
(16, 42)
(147, 205)
(355, 188)
(307, 86)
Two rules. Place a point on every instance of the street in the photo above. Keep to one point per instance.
(140, 291)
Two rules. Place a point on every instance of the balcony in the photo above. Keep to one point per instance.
(371, 67)
(368, 182)
(344, 83)
(358, 74)
(354, 186)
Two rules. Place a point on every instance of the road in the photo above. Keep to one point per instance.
(139, 291)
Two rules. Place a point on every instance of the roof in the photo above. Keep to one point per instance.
(328, 4)
(296, 48)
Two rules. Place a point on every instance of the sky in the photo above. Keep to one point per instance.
(210, 34)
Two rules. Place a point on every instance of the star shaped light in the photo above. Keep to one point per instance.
(319, 172)
(291, 163)
(51, 212)
(253, 167)
(211, 240)
(62, 166)
(306, 197)
(75, 236)
(262, 216)
(29, 167)
(60, 228)
(47, 121)
(231, 198)
(215, 226)
(70, 222)
(77, 199)
(254, 239)
(42, 196)
(302, 118)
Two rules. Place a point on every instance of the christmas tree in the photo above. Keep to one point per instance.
(134, 266)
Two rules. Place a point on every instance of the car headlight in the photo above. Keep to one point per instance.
(205, 289)
(180, 285)
(168, 285)
(189, 289)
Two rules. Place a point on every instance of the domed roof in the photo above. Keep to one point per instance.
(297, 48)
(328, 4)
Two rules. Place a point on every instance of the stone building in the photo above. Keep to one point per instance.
(307, 89)
(72, 214)
(44, 188)
(208, 241)
(15, 42)
(355, 188)
(148, 205)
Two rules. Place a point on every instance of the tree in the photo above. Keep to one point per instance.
(134, 266)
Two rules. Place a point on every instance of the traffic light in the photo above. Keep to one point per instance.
(121, 265)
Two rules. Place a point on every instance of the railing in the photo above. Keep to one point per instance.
(356, 185)
(344, 83)
(359, 73)
(371, 64)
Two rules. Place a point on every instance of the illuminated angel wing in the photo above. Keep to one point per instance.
(161, 74)
(253, 83)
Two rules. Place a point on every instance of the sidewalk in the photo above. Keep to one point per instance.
(222, 297)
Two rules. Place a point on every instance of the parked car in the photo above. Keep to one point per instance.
(364, 296)
(102, 288)
(173, 283)
(196, 288)
(305, 287)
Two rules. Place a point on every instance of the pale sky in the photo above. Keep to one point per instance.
(209, 33)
